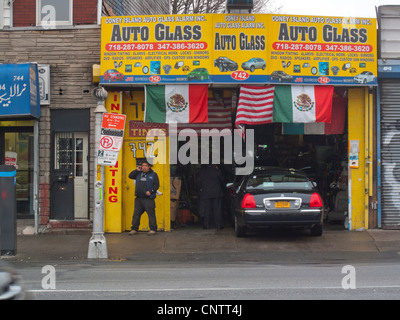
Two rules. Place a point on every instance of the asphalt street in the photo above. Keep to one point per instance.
(194, 264)
(246, 281)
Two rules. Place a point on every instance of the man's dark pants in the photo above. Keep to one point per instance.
(142, 205)
(212, 206)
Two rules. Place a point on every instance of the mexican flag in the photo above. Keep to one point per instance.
(176, 103)
(303, 104)
(337, 125)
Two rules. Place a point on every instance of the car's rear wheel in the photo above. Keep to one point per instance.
(317, 230)
(240, 231)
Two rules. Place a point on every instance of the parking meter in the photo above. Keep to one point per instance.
(8, 210)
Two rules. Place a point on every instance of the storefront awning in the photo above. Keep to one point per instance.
(19, 91)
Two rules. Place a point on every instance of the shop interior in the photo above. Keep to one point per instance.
(17, 150)
(323, 157)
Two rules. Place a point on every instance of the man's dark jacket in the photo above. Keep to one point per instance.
(152, 181)
(209, 182)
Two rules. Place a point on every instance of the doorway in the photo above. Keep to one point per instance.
(70, 176)
(70, 135)
(17, 150)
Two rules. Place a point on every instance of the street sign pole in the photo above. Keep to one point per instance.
(98, 243)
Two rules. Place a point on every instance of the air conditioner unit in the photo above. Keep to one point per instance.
(239, 5)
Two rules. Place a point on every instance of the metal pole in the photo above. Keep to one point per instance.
(98, 243)
(36, 174)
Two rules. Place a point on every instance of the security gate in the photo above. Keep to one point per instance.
(62, 186)
(390, 152)
(70, 176)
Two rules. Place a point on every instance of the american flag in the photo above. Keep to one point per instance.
(255, 106)
(219, 117)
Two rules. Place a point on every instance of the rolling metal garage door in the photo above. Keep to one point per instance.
(390, 152)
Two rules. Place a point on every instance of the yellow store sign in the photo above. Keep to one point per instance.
(239, 48)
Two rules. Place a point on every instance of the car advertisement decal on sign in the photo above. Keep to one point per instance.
(239, 48)
(152, 49)
(322, 50)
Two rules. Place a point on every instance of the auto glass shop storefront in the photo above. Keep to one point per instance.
(257, 50)
(19, 116)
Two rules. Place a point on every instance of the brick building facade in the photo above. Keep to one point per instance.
(70, 47)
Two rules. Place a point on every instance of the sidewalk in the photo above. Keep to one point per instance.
(193, 243)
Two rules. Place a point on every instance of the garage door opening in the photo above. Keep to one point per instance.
(319, 150)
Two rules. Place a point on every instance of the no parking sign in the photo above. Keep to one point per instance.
(111, 138)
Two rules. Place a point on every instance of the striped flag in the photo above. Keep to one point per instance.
(219, 117)
(255, 106)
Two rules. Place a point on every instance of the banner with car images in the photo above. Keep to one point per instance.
(238, 48)
(322, 50)
(153, 49)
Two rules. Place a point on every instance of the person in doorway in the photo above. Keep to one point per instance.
(147, 184)
(210, 182)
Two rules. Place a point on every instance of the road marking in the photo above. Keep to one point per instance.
(206, 289)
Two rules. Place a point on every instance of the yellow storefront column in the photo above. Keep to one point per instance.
(113, 177)
(137, 147)
(358, 122)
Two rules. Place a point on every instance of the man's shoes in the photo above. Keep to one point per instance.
(151, 233)
(133, 233)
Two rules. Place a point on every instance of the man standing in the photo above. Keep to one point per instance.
(147, 184)
(210, 182)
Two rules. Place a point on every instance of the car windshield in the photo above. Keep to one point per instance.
(113, 71)
(278, 181)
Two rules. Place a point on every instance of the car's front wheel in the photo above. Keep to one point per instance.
(240, 231)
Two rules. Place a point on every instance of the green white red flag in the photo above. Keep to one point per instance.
(176, 103)
(303, 104)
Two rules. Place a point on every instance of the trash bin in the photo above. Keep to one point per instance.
(8, 211)
(63, 194)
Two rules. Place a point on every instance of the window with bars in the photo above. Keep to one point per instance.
(69, 153)
(64, 150)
